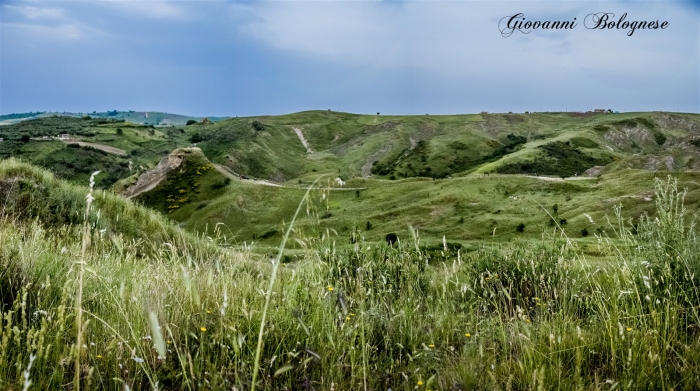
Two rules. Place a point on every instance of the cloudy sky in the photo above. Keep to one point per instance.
(244, 58)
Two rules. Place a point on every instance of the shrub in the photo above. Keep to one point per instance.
(659, 137)
(584, 232)
(190, 122)
(391, 238)
(520, 227)
(257, 125)
(268, 234)
(120, 131)
(368, 226)
(196, 137)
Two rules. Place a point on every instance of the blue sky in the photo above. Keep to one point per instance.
(402, 57)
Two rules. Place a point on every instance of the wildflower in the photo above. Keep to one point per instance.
(208, 312)
(203, 329)
(99, 356)
(431, 345)
(330, 288)
(420, 383)
(137, 359)
(351, 314)
(629, 329)
(347, 318)
(169, 342)
(467, 335)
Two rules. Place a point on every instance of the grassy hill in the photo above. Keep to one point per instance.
(115, 296)
(351, 145)
(450, 176)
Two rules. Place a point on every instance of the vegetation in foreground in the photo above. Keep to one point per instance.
(161, 309)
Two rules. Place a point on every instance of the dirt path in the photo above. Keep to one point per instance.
(302, 139)
(230, 174)
(550, 178)
(106, 148)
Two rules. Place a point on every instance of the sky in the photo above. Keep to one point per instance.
(248, 58)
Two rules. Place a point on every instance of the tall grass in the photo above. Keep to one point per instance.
(523, 316)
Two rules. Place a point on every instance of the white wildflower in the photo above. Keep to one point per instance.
(590, 219)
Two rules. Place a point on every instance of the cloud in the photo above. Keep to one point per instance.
(149, 9)
(41, 13)
(60, 32)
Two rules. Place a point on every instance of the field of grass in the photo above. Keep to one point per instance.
(101, 293)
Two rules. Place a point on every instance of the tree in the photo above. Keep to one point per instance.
(25, 138)
(190, 122)
(120, 131)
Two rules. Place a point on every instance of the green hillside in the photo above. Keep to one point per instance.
(112, 295)
(464, 177)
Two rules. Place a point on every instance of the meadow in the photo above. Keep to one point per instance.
(99, 292)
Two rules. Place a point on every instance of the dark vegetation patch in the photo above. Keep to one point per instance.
(559, 159)
(583, 142)
(19, 115)
(659, 137)
(459, 157)
(632, 122)
(76, 163)
(54, 126)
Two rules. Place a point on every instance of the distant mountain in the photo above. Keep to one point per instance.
(139, 117)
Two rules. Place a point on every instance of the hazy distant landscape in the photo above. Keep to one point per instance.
(499, 251)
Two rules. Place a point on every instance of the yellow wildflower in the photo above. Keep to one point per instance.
(467, 335)
(99, 356)
(431, 346)
(629, 329)
(347, 318)
(203, 329)
(420, 383)
(330, 288)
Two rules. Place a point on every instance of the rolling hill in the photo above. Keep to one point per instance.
(465, 177)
